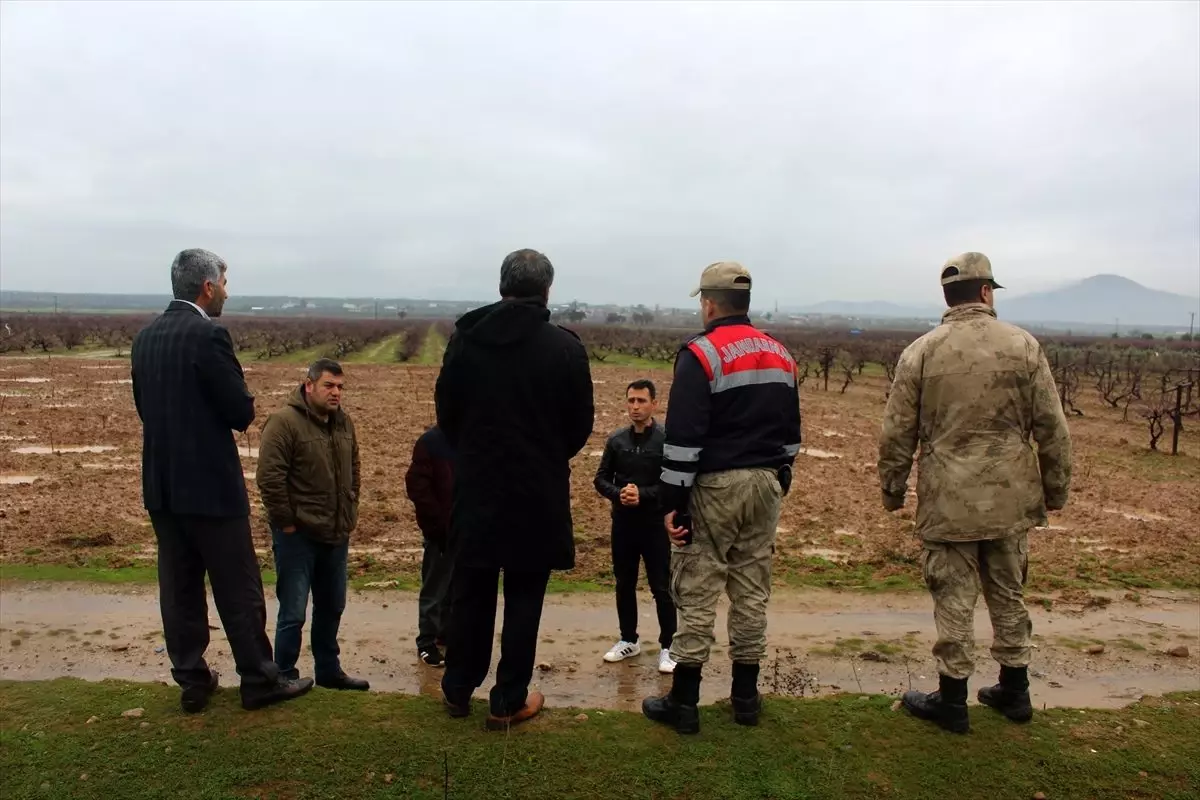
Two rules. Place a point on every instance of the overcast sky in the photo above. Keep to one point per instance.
(840, 151)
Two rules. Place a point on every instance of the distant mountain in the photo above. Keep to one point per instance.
(1102, 300)
(869, 309)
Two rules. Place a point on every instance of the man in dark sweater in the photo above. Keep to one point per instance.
(430, 483)
(628, 477)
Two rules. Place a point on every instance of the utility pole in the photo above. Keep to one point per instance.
(1192, 327)
(377, 309)
(55, 304)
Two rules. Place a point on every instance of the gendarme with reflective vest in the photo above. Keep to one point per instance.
(734, 402)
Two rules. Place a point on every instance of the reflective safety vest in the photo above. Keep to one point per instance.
(742, 355)
(734, 405)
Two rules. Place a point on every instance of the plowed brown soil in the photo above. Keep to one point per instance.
(1132, 519)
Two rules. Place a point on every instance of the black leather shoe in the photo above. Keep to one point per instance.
(344, 682)
(947, 707)
(684, 719)
(745, 710)
(283, 690)
(1017, 706)
(455, 710)
(195, 698)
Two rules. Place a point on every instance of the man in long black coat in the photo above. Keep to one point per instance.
(190, 394)
(514, 399)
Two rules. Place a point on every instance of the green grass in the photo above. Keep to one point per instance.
(432, 349)
(305, 356)
(812, 571)
(335, 745)
(148, 574)
(381, 352)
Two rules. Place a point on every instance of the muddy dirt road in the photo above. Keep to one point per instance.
(820, 643)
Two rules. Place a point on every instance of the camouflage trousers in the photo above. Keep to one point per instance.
(956, 573)
(734, 517)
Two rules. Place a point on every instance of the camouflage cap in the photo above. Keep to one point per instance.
(723, 275)
(968, 267)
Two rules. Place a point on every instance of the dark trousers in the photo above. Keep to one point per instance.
(637, 539)
(433, 604)
(303, 565)
(472, 628)
(189, 547)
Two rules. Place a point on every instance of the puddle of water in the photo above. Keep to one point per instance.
(104, 366)
(575, 632)
(25, 380)
(1052, 528)
(846, 532)
(1084, 540)
(44, 450)
(18, 480)
(13, 394)
(6, 438)
(109, 466)
(247, 452)
(836, 556)
(834, 434)
(251, 475)
(1140, 516)
(113, 383)
(63, 405)
(596, 453)
(814, 453)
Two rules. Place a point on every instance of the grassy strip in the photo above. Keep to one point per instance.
(382, 352)
(379, 745)
(147, 574)
(797, 573)
(432, 348)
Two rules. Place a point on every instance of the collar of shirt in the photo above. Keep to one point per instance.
(203, 313)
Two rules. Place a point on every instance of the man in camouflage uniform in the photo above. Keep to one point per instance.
(732, 435)
(975, 395)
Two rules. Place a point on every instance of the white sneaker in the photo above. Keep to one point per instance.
(621, 651)
(665, 664)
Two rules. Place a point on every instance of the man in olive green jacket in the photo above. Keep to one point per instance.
(974, 396)
(308, 476)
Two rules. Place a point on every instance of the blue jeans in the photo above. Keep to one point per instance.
(301, 565)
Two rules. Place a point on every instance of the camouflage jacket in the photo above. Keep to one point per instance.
(974, 395)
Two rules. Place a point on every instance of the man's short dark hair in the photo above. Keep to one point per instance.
(731, 301)
(963, 292)
(642, 384)
(526, 273)
(321, 366)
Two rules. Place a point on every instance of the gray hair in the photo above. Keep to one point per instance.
(526, 273)
(190, 269)
(321, 366)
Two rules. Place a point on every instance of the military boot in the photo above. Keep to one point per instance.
(679, 707)
(947, 707)
(744, 696)
(1011, 696)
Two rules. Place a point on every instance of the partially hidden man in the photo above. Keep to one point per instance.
(973, 397)
(308, 476)
(628, 477)
(732, 435)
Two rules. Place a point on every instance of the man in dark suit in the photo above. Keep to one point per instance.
(190, 394)
(514, 399)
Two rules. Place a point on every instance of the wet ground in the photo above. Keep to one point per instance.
(820, 643)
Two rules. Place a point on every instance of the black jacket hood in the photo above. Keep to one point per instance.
(505, 323)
